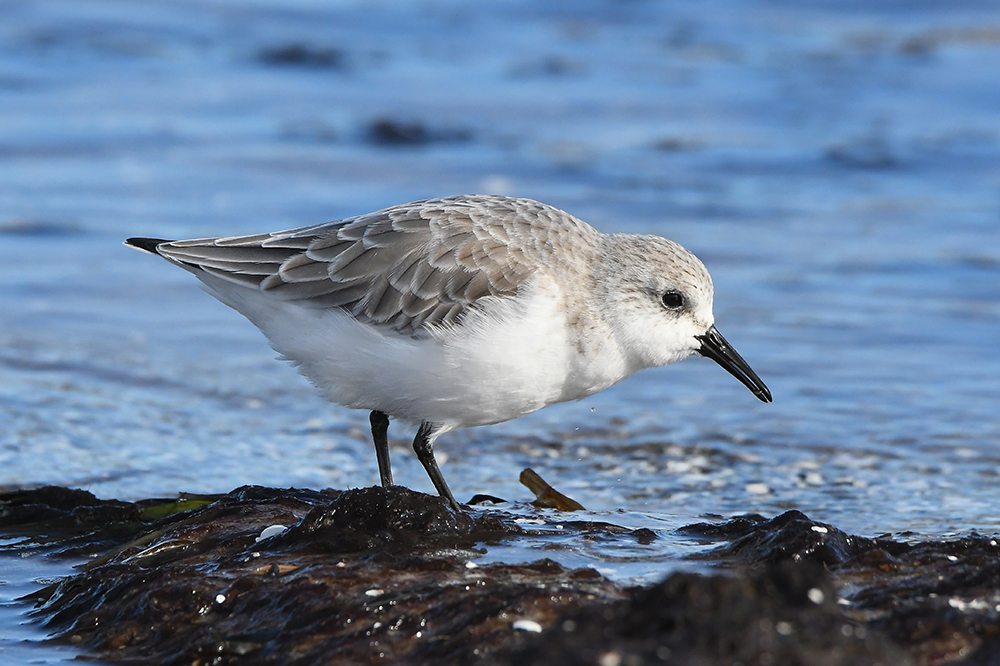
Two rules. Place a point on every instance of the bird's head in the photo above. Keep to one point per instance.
(658, 300)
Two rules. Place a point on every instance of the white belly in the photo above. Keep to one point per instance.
(510, 357)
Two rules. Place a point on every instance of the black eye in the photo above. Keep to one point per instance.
(672, 299)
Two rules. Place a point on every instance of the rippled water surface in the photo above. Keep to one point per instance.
(837, 167)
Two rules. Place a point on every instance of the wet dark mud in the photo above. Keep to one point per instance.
(265, 576)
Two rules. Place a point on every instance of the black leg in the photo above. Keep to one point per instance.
(423, 446)
(380, 433)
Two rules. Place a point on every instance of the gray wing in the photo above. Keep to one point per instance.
(410, 266)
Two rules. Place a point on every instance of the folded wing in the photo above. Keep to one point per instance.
(408, 267)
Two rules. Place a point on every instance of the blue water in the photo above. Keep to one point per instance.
(835, 164)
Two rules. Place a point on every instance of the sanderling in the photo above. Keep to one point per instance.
(463, 311)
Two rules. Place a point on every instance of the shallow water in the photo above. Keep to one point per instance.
(837, 168)
(24, 574)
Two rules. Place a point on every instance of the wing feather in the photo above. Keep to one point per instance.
(296, 291)
(300, 268)
(244, 279)
(407, 267)
(346, 255)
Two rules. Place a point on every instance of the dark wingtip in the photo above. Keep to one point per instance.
(145, 244)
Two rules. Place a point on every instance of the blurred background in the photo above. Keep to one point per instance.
(836, 164)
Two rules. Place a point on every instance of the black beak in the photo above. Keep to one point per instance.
(715, 347)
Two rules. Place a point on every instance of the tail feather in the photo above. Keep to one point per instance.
(146, 244)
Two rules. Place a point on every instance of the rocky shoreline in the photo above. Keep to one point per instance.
(266, 576)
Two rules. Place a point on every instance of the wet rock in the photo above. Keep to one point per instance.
(729, 530)
(265, 576)
(928, 42)
(938, 602)
(389, 132)
(265, 610)
(361, 575)
(790, 536)
(301, 55)
(940, 598)
(784, 614)
(56, 516)
(872, 150)
(59, 507)
(387, 520)
(671, 144)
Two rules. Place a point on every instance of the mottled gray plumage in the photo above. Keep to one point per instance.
(463, 311)
(410, 266)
